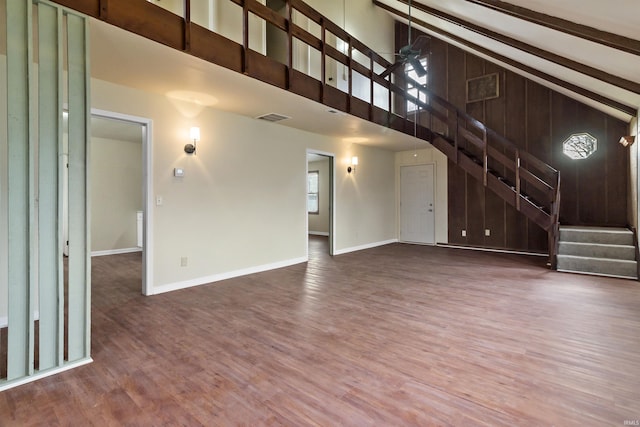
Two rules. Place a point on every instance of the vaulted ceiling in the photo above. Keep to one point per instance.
(586, 49)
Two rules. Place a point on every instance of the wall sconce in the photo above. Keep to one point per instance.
(194, 135)
(627, 141)
(354, 163)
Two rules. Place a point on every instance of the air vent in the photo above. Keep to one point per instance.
(272, 117)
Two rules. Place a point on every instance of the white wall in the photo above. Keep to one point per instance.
(319, 223)
(204, 13)
(428, 156)
(241, 205)
(116, 192)
(174, 6)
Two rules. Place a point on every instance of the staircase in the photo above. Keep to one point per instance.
(528, 184)
(603, 251)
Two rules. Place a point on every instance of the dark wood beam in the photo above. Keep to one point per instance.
(614, 80)
(629, 110)
(612, 40)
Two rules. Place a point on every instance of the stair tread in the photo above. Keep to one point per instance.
(579, 257)
(608, 245)
(620, 230)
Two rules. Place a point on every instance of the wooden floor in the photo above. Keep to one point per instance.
(396, 335)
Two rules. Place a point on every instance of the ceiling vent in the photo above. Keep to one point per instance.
(272, 117)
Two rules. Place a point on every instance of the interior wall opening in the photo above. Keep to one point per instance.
(120, 185)
(320, 203)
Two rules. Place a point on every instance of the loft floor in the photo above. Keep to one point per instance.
(396, 335)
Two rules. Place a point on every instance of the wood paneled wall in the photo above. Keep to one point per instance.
(538, 120)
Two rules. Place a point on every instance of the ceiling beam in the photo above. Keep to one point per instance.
(628, 110)
(612, 40)
(620, 82)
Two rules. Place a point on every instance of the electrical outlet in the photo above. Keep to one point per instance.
(184, 261)
(159, 200)
(464, 233)
(487, 232)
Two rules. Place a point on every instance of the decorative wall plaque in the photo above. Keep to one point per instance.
(481, 88)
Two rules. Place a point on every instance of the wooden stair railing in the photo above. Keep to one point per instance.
(527, 183)
(522, 180)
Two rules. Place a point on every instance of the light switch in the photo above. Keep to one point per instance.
(179, 172)
(158, 200)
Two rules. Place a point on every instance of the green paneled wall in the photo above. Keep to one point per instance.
(36, 95)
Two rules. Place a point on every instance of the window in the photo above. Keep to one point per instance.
(411, 88)
(313, 188)
(579, 146)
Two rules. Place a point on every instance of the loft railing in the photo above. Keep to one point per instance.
(250, 40)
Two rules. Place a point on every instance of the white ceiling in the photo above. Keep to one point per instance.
(191, 83)
(618, 17)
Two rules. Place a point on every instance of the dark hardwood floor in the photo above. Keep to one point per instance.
(391, 336)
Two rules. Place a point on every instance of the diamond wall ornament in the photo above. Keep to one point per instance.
(579, 146)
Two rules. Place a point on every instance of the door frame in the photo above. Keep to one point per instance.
(332, 199)
(434, 189)
(147, 190)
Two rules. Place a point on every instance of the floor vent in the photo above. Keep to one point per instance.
(272, 117)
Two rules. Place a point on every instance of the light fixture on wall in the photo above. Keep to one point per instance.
(626, 141)
(194, 135)
(352, 166)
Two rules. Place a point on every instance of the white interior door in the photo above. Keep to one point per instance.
(417, 210)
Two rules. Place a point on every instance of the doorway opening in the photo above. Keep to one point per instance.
(125, 141)
(320, 203)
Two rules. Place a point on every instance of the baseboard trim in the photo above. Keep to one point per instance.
(44, 374)
(363, 247)
(224, 276)
(116, 251)
(500, 251)
(319, 233)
